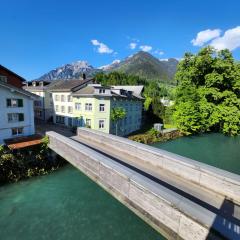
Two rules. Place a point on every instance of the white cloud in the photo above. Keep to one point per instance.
(159, 52)
(205, 36)
(230, 40)
(132, 45)
(145, 48)
(102, 48)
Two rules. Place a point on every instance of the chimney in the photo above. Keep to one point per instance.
(84, 76)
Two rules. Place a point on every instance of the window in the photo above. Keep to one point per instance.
(88, 122)
(12, 117)
(88, 106)
(101, 107)
(78, 106)
(3, 78)
(38, 103)
(56, 97)
(15, 117)
(60, 119)
(57, 108)
(62, 98)
(101, 124)
(70, 109)
(70, 122)
(14, 102)
(63, 109)
(101, 91)
(69, 98)
(17, 131)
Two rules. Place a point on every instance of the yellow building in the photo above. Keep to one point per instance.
(93, 104)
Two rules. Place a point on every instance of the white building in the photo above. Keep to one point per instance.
(43, 106)
(16, 112)
(62, 99)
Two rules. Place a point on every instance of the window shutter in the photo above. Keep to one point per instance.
(9, 103)
(21, 117)
(20, 103)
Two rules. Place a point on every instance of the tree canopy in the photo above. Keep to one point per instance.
(208, 93)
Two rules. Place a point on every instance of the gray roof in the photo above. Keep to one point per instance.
(90, 91)
(19, 90)
(135, 89)
(67, 85)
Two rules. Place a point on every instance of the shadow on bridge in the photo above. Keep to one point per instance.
(228, 222)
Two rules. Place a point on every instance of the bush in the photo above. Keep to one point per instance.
(25, 163)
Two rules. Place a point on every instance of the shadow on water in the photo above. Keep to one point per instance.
(227, 225)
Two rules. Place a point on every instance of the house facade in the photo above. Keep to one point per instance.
(61, 94)
(11, 78)
(93, 105)
(43, 106)
(16, 112)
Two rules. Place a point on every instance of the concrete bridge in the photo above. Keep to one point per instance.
(179, 197)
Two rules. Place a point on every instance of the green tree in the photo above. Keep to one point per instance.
(116, 115)
(208, 93)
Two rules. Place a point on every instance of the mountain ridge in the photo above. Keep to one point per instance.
(142, 64)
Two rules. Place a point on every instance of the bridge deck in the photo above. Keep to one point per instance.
(197, 194)
(178, 208)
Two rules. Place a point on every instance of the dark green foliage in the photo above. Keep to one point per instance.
(24, 163)
(117, 78)
(208, 93)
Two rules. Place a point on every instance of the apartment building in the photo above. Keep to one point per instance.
(43, 106)
(93, 105)
(63, 101)
(16, 108)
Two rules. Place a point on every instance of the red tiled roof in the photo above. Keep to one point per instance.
(23, 142)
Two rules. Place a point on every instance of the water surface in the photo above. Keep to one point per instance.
(214, 149)
(66, 205)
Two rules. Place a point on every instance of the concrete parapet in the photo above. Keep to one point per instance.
(170, 213)
(217, 180)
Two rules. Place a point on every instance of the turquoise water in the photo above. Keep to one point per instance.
(66, 205)
(213, 149)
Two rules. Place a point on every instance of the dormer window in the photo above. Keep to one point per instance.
(3, 78)
(101, 91)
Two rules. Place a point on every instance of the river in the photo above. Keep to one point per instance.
(66, 205)
(214, 149)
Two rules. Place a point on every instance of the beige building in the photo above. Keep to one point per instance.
(62, 99)
(43, 106)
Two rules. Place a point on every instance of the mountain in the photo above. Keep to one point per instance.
(170, 66)
(147, 66)
(142, 64)
(110, 66)
(74, 70)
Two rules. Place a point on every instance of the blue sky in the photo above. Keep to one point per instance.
(37, 36)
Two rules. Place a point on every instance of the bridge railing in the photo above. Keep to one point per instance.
(215, 179)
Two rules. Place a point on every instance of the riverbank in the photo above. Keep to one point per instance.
(150, 136)
(25, 163)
